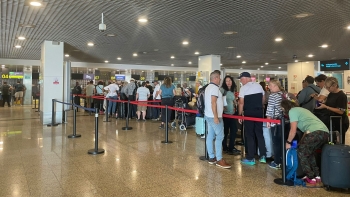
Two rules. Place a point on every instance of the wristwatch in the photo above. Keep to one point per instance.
(288, 142)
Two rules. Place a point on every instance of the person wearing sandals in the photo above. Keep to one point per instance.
(274, 111)
(228, 89)
(315, 136)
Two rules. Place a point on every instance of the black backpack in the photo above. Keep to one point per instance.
(201, 100)
(5, 90)
(20, 87)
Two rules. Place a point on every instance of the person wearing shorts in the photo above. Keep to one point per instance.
(142, 94)
(19, 88)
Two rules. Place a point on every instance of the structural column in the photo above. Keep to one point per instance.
(297, 72)
(27, 82)
(206, 65)
(51, 71)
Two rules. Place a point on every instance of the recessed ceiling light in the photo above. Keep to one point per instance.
(278, 39)
(155, 49)
(258, 69)
(66, 55)
(244, 62)
(274, 52)
(296, 61)
(324, 46)
(266, 63)
(241, 68)
(172, 64)
(35, 3)
(172, 57)
(279, 67)
(143, 20)
(143, 71)
(196, 53)
(220, 64)
(3, 66)
(262, 66)
(106, 61)
(230, 32)
(310, 55)
(185, 42)
(135, 54)
(21, 38)
(189, 62)
(18, 46)
(119, 58)
(110, 35)
(230, 47)
(307, 62)
(90, 44)
(348, 27)
(302, 15)
(238, 56)
(27, 25)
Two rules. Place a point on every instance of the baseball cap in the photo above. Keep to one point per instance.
(132, 79)
(244, 74)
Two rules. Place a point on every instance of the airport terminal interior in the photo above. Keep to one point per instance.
(50, 46)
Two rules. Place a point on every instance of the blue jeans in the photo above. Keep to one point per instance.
(215, 132)
(112, 105)
(155, 111)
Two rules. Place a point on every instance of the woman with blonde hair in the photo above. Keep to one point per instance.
(167, 92)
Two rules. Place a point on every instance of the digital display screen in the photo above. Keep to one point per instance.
(333, 65)
(192, 78)
(16, 75)
(77, 76)
(136, 77)
(89, 76)
(120, 77)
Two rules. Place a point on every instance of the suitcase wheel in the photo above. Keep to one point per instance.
(173, 124)
(182, 127)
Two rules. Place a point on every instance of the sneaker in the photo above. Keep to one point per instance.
(248, 162)
(161, 126)
(212, 161)
(275, 165)
(137, 119)
(310, 181)
(203, 136)
(222, 163)
(234, 151)
(318, 179)
(144, 119)
(262, 159)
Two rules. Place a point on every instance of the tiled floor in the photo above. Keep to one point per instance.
(36, 160)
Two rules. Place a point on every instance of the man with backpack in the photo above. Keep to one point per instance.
(305, 98)
(213, 110)
(130, 92)
(20, 89)
(5, 93)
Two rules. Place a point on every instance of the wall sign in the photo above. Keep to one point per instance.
(119, 77)
(333, 65)
(16, 75)
(89, 76)
(5, 73)
(56, 82)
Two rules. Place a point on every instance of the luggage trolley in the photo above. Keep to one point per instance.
(179, 103)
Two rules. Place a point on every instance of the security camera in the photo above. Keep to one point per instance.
(102, 27)
(295, 57)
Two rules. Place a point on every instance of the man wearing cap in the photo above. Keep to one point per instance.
(251, 99)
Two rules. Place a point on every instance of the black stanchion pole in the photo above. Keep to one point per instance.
(106, 112)
(127, 119)
(96, 150)
(283, 181)
(74, 135)
(206, 156)
(166, 141)
(34, 103)
(53, 115)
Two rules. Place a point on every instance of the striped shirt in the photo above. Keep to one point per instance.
(274, 109)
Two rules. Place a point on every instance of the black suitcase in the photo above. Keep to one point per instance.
(335, 168)
(149, 113)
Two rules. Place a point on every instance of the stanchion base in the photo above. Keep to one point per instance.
(52, 125)
(126, 128)
(280, 182)
(203, 158)
(106, 120)
(167, 142)
(74, 136)
(96, 152)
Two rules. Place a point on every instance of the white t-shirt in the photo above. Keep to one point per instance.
(213, 90)
(143, 93)
(112, 90)
(250, 88)
(156, 89)
(324, 92)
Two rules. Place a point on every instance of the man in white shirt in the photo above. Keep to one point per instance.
(156, 97)
(214, 107)
(251, 100)
(142, 94)
(112, 95)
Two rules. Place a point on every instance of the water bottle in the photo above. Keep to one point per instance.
(294, 144)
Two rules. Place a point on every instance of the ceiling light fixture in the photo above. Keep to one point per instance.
(119, 58)
(106, 61)
(348, 27)
(238, 56)
(172, 64)
(35, 3)
(262, 66)
(110, 35)
(66, 55)
(296, 60)
(230, 47)
(135, 54)
(196, 53)
(258, 69)
(279, 67)
(230, 32)
(185, 42)
(266, 63)
(278, 39)
(21, 38)
(3, 66)
(241, 68)
(90, 44)
(220, 64)
(18, 46)
(310, 55)
(172, 57)
(244, 62)
(189, 62)
(143, 20)
(324, 46)
(302, 15)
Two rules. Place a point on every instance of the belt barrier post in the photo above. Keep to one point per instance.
(166, 141)
(96, 150)
(283, 181)
(127, 119)
(34, 103)
(206, 156)
(74, 135)
(53, 116)
(106, 112)
(38, 105)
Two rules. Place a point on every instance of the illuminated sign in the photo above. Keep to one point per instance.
(16, 75)
(89, 76)
(5, 73)
(333, 65)
(119, 77)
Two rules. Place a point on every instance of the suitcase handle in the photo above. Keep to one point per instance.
(331, 128)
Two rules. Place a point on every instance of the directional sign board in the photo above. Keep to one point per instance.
(334, 65)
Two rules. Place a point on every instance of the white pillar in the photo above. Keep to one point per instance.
(206, 65)
(51, 71)
(27, 82)
(297, 72)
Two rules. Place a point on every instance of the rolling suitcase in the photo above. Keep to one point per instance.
(335, 168)
(200, 126)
